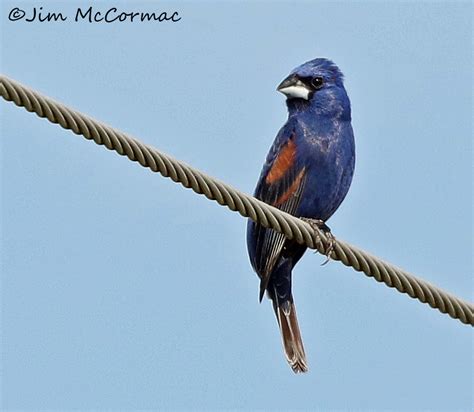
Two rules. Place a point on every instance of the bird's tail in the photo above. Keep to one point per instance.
(291, 336)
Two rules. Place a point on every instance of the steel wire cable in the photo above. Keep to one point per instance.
(248, 206)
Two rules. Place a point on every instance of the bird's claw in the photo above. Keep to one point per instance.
(319, 224)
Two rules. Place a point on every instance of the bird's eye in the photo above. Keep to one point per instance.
(317, 82)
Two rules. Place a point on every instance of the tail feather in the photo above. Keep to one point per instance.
(291, 336)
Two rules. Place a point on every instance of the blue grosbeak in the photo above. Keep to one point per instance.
(307, 173)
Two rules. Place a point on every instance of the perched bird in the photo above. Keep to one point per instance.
(307, 173)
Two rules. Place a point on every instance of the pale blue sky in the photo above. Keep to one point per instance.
(122, 290)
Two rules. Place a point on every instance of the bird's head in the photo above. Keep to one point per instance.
(318, 86)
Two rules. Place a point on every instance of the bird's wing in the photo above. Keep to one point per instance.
(281, 185)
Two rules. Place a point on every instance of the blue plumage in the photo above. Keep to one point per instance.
(307, 173)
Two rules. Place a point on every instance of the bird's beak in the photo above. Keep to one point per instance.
(293, 87)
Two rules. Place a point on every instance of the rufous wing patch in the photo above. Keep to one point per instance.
(284, 160)
(291, 190)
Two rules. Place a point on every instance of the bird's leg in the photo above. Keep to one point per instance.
(319, 224)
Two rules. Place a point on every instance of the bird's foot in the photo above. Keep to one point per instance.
(319, 224)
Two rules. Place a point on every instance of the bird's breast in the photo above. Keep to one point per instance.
(329, 158)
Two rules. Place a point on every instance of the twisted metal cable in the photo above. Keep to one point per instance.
(225, 195)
